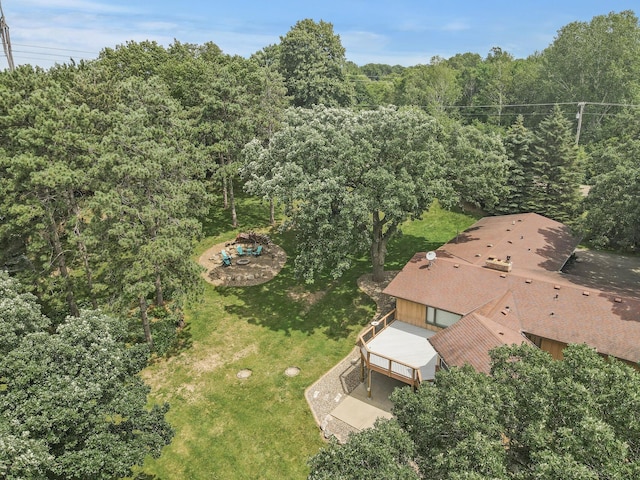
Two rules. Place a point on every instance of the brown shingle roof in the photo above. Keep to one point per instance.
(533, 242)
(530, 299)
(470, 339)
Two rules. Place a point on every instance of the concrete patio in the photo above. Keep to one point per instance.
(361, 412)
(339, 402)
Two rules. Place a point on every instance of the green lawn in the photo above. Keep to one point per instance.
(261, 427)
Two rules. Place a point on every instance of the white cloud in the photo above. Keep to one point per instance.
(456, 26)
(412, 26)
(363, 40)
(80, 5)
(78, 36)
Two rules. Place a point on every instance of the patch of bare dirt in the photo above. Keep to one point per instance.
(207, 364)
(385, 303)
(300, 295)
(259, 269)
(191, 393)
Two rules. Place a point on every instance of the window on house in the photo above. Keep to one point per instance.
(441, 318)
(536, 340)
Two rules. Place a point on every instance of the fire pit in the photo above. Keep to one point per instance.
(243, 261)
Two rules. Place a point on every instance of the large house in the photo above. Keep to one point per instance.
(499, 282)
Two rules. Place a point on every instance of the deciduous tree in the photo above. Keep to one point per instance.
(348, 180)
(71, 403)
(612, 207)
(385, 452)
(596, 61)
(477, 170)
(532, 418)
(432, 86)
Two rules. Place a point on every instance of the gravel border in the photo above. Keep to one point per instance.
(328, 391)
(326, 394)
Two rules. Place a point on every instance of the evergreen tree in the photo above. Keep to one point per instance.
(48, 146)
(555, 169)
(517, 143)
(149, 193)
(312, 62)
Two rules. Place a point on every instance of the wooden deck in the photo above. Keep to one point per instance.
(398, 350)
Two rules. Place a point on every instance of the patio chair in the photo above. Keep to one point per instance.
(258, 251)
(240, 251)
(226, 258)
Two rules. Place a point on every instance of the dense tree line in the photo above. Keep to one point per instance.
(71, 402)
(595, 63)
(532, 418)
(108, 168)
(110, 163)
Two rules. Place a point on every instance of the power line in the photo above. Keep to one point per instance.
(41, 53)
(23, 57)
(511, 105)
(604, 104)
(54, 48)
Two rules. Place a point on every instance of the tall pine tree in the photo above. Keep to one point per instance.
(555, 169)
(518, 147)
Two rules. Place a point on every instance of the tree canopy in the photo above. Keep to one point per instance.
(532, 418)
(312, 62)
(347, 179)
(71, 402)
(594, 61)
(109, 168)
(383, 452)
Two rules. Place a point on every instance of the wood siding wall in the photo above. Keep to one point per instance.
(413, 313)
(553, 347)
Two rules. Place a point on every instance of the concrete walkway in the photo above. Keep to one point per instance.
(360, 411)
(339, 402)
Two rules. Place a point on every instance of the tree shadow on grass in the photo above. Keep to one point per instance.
(145, 476)
(183, 342)
(253, 214)
(336, 308)
(403, 247)
(285, 303)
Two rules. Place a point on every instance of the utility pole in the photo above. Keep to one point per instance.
(6, 41)
(579, 117)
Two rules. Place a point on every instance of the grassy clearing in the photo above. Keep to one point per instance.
(261, 427)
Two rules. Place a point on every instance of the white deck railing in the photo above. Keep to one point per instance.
(374, 361)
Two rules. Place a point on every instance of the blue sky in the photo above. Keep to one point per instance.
(404, 32)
